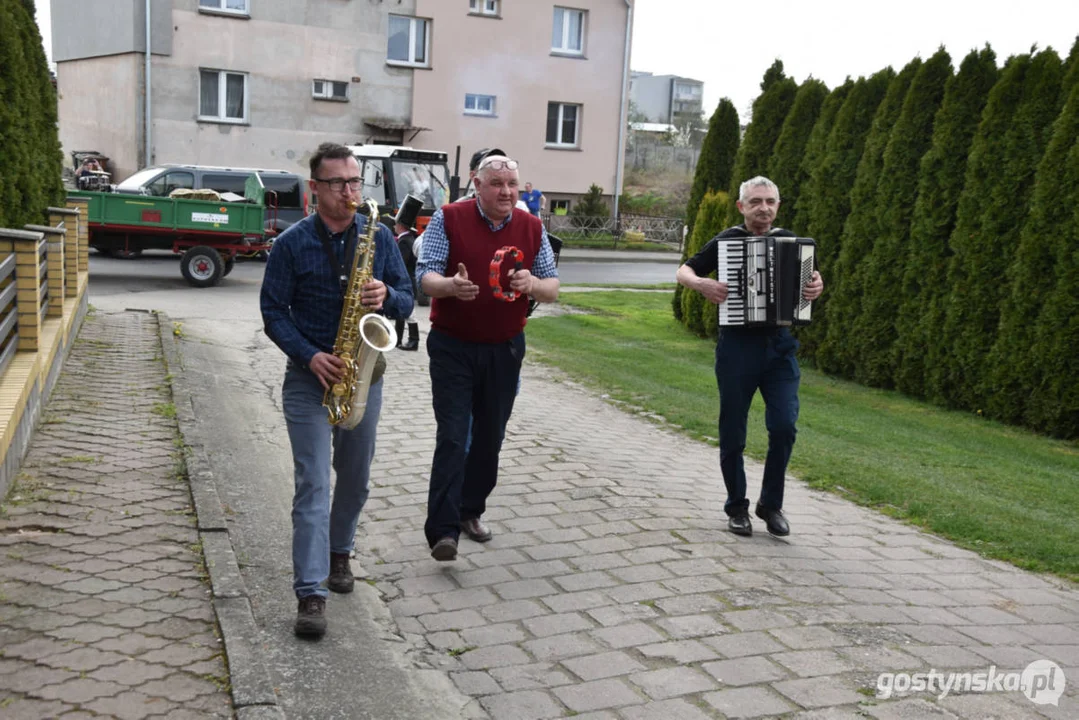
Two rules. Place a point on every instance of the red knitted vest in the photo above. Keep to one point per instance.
(472, 242)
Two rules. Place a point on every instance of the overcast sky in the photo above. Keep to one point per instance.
(729, 45)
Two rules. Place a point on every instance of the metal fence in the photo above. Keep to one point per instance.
(627, 227)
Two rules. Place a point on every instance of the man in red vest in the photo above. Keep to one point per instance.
(477, 343)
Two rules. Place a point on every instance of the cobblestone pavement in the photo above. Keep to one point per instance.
(104, 607)
(612, 590)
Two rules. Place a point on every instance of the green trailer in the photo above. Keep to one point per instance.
(209, 234)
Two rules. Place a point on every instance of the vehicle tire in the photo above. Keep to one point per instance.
(229, 264)
(202, 266)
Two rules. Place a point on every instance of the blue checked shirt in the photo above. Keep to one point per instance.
(435, 248)
(301, 295)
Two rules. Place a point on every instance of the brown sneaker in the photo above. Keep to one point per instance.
(476, 530)
(311, 617)
(341, 579)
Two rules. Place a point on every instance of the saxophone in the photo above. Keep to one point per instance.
(362, 335)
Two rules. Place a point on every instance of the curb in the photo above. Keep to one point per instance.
(253, 696)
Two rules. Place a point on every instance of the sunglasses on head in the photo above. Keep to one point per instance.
(499, 164)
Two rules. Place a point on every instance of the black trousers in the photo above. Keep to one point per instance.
(477, 380)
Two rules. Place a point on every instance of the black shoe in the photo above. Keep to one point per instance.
(476, 530)
(777, 524)
(445, 549)
(311, 617)
(740, 524)
(399, 327)
(341, 579)
(413, 342)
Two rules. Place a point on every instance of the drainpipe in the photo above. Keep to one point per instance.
(148, 121)
(620, 157)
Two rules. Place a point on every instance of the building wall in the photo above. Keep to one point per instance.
(107, 119)
(651, 95)
(510, 57)
(93, 28)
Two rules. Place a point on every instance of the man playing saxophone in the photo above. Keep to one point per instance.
(302, 300)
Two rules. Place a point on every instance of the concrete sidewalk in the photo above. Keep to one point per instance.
(105, 607)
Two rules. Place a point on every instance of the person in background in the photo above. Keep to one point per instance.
(405, 232)
(534, 199)
(476, 344)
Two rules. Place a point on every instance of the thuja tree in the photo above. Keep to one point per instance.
(710, 222)
(874, 329)
(815, 150)
(1014, 373)
(825, 201)
(992, 211)
(785, 165)
(30, 181)
(836, 353)
(940, 183)
(769, 111)
(713, 171)
(1053, 406)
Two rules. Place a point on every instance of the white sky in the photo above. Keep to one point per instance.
(729, 45)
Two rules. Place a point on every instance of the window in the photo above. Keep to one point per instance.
(329, 89)
(233, 7)
(483, 7)
(559, 207)
(162, 186)
(479, 104)
(408, 40)
(222, 96)
(562, 121)
(567, 36)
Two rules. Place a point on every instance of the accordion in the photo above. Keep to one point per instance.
(765, 277)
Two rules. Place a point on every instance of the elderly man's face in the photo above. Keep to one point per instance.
(759, 208)
(497, 190)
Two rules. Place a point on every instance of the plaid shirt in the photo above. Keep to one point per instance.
(435, 248)
(301, 295)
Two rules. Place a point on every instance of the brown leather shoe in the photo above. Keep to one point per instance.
(341, 579)
(476, 530)
(445, 549)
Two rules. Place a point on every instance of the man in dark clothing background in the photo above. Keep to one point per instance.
(748, 359)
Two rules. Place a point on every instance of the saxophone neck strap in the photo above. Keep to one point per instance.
(495, 277)
(351, 235)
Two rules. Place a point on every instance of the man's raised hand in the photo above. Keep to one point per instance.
(463, 288)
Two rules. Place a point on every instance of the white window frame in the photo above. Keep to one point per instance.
(223, 9)
(576, 127)
(412, 24)
(475, 108)
(563, 47)
(484, 7)
(222, 94)
(326, 93)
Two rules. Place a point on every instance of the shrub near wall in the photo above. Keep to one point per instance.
(30, 181)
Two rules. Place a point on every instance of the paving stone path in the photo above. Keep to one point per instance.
(612, 590)
(104, 606)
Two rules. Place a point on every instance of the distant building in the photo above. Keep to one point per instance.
(666, 98)
(260, 83)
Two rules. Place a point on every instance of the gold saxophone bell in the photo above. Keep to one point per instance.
(362, 336)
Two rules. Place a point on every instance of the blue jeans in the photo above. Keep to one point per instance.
(317, 528)
(467, 379)
(745, 362)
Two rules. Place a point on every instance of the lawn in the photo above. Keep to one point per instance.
(1004, 492)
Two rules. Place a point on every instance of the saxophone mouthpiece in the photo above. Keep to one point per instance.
(353, 205)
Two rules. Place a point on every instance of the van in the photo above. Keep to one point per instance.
(160, 180)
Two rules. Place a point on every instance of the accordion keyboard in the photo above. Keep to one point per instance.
(731, 266)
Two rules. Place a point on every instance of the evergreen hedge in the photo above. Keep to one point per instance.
(815, 150)
(836, 352)
(785, 165)
(873, 330)
(31, 179)
(710, 222)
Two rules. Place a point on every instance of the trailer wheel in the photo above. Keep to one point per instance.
(202, 266)
(229, 264)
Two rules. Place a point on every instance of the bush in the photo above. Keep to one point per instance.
(590, 210)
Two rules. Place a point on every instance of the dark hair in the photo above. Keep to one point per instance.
(328, 151)
(479, 155)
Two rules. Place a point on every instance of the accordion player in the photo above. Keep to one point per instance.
(765, 278)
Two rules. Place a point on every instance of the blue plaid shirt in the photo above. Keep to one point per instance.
(435, 248)
(301, 295)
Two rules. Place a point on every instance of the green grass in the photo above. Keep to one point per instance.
(622, 286)
(1004, 492)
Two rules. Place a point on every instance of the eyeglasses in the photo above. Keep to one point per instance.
(499, 164)
(338, 184)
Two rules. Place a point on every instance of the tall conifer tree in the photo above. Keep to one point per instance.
(940, 183)
(824, 206)
(992, 210)
(710, 219)
(836, 352)
(873, 330)
(785, 165)
(815, 151)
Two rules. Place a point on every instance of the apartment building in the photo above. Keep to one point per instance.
(259, 83)
(666, 98)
